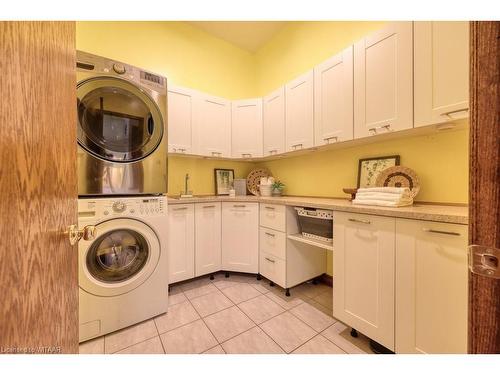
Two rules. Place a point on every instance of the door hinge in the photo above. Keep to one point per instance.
(484, 260)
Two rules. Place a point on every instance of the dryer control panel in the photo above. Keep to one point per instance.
(122, 207)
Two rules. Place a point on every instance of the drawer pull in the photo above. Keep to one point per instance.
(375, 129)
(239, 205)
(327, 139)
(211, 206)
(246, 155)
(297, 145)
(270, 208)
(270, 234)
(455, 111)
(360, 221)
(270, 260)
(441, 232)
(180, 208)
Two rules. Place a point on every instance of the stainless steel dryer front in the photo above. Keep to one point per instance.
(122, 130)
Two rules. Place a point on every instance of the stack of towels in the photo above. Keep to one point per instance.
(384, 196)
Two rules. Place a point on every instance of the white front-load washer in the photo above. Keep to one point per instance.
(123, 271)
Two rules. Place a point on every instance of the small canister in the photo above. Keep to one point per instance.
(240, 186)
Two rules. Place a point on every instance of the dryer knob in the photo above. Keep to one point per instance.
(119, 206)
(119, 68)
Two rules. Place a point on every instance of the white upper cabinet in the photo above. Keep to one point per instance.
(274, 122)
(299, 101)
(383, 80)
(213, 126)
(333, 99)
(181, 114)
(441, 53)
(246, 128)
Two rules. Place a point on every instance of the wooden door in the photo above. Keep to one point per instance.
(180, 242)
(240, 237)
(274, 122)
(484, 211)
(213, 126)
(207, 238)
(333, 99)
(431, 287)
(363, 291)
(299, 95)
(181, 106)
(441, 61)
(383, 81)
(246, 128)
(38, 181)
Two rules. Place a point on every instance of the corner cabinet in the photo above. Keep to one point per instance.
(333, 99)
(213, 126)
(383, 81)
(181, 115)
(299, 109)
(240, 237)
(180, 243)
(246, 128)
(363, 289)
(441, 53)
(274, 122)
(207, 238)
(431, 293)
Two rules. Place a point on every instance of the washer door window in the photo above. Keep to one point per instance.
(124, 255)
(117, 121)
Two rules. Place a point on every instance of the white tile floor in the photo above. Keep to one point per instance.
(237, 315)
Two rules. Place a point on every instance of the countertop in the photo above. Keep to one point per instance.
(429, 212)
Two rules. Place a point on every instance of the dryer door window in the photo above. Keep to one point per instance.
(117, 255)
(117, 121)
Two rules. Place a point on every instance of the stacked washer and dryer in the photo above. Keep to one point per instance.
(122, 182)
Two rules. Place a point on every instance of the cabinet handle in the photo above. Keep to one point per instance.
(273, 151)
(180, 208)
(360, 221)
(386, 127)
(270, 208)
(214, 153)
(297, 145)
(269, 260)
(440, 232)
(270, 234)
(211, 206)
(239, 205)
(327, 139)
(246, 155)
(455, 111)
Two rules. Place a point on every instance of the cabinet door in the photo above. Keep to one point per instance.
(383, 81)
(299, 112)
(274, 122)
(363, 289)
(240, 237)
(180, 242)
(207, 238)
(181, 107)
(333, 99)
(213, 126)
(246, 128)
(441, 53)
(431, 293)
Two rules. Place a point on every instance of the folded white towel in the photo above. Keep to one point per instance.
(393, 190)
(367, 202)
(384, 196)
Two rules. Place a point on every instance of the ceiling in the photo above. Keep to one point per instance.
(248, 35)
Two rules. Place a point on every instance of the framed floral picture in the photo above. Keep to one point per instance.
(369, 169)
(224, 180)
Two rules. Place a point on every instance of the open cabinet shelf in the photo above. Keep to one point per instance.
(311, 241)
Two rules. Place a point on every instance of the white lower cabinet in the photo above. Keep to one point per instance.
(207, 238)
(180, 242)
(431, 287)
(363, 269)
(240, 237)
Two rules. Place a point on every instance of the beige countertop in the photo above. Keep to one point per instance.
(429, 212)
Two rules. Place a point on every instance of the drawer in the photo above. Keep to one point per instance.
(273, 242)
(273, 216)
(273, 268)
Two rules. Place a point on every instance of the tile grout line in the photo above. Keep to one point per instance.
(161, 341)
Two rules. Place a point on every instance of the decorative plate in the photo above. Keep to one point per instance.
(399, 176)
(253, 180)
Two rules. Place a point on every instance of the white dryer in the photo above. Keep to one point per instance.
(123, 272)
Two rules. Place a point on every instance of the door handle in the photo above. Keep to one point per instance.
(440, 232)
(269, 260)
(453, 112)
(88, 233)
(484, 261)
(360, 221)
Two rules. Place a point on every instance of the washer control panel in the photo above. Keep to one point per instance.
(128, 207)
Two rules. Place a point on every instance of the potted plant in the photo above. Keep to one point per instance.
(277, 187)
